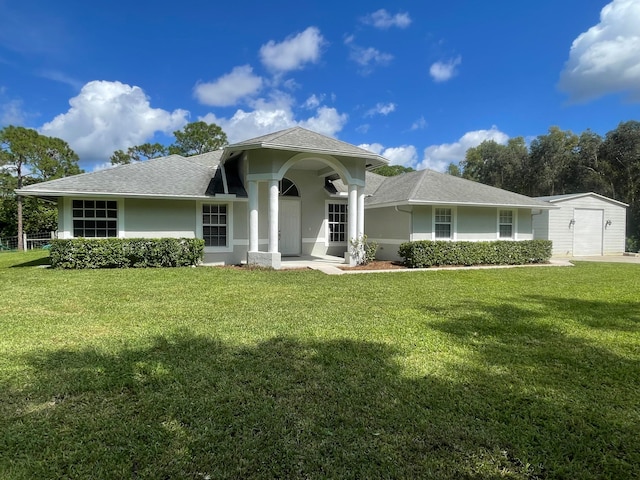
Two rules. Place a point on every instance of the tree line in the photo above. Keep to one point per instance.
(558, 162)
(561, 162)
(27, 157)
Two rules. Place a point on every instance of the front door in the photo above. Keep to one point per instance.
(289, 223)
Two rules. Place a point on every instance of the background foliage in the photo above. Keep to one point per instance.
(561, 162)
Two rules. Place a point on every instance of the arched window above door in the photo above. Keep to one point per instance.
(288, 188)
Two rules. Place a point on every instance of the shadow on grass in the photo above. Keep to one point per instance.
(34, 263)
(190, 406)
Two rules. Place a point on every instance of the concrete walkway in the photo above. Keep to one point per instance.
(331, 266)
(629, 258)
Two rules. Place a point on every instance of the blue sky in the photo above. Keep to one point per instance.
(417, 81)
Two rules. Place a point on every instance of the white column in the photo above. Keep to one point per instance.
(360, 212)
(273, 216)
(253, 216)
(353, 211)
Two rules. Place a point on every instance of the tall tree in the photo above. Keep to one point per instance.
(392, 170)
(550, 156)
(138, 153)
(453, 169)
(27, 154)
(495, 164)
(197, 138)
(621, 151)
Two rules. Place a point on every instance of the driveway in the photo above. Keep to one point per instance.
(606, 259)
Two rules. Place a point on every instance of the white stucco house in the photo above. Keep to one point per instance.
(289, 193)
(584, 224)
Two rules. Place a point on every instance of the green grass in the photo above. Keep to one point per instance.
(221, 373)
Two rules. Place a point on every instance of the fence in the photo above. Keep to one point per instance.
(30, 241)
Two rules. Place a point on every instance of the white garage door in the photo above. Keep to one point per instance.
(587, 231)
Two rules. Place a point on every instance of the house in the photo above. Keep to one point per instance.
(428, 205)
(584, 224)
(289, 193)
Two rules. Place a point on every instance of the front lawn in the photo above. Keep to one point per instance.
(197, 373)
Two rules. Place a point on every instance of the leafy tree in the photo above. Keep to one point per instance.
(392, 170)
(497, 165)
(138, 153)
(587, 172)
(30, 157)
(550, 157)
(621, 151)
(197, 138)
(454, 170)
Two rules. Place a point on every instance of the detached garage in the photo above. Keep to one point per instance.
(583, 224)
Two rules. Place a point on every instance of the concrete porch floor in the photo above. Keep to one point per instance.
(324, 263)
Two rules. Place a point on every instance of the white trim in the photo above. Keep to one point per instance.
(458, 204)
(101, 195)
(514, 223)
(198, 232)
(454, 223)
(325, 223)
(564, 198)
(389, 241)
(67, 215)
(315, 240)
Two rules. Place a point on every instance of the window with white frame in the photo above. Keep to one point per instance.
(337, 222)
(95, 218)
(443, 223)
(214, 225)
(505, 224)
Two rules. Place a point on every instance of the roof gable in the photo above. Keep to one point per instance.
(303, 140)
(574, 196)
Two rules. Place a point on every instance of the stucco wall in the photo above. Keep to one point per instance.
(149, 218)
(389, 228)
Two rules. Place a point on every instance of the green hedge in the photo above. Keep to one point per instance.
(126, 252)
(427, 253)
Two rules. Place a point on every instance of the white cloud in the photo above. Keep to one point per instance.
(438, 157)
(293, 52)
(605, 58)
(313, 101)
(276, 114)
(443, 71)
(405, 155)
(384, 20)
(381, 109)
(364, 128)
(367, 58)
(372, 147)
(106, 116)
(419, 124)
(230, 88)
(11, 113)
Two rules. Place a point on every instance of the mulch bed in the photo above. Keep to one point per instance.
(376, 265)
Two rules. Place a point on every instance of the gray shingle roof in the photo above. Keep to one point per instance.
(172, 176)
(303, 140)
(570, 196)
(431, 187)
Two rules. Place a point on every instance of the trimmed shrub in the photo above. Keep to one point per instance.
(126, 252)
(427, 253)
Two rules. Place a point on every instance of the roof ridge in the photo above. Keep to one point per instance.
(418, 183)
